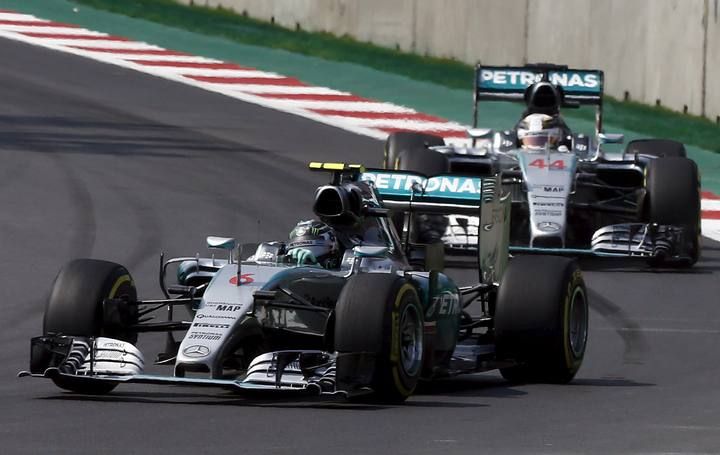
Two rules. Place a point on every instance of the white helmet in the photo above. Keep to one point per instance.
(538, 131)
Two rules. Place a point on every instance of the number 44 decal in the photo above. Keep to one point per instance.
(557, 165)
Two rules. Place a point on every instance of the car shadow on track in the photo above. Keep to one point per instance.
(443, 393)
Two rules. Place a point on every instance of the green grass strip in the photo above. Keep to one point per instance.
(648, 120)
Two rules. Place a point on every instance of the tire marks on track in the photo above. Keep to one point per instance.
(635, 344)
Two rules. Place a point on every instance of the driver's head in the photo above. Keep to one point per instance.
(315, 236)
(538, 131)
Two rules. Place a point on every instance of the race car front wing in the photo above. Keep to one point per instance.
(106, 360)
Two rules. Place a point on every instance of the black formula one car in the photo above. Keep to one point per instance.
(569, 195)
(384, 319)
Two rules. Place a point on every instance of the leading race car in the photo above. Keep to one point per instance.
(370, 325)
(569, 195)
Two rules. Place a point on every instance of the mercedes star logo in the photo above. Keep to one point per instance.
(196, 351)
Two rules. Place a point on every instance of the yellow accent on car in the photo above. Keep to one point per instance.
(318, 166)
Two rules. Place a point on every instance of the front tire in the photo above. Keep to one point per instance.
(380, 316)
(541, 320)
(660, 148)
(673, 198)
(75, 308)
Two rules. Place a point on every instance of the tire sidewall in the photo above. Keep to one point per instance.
(405, 298)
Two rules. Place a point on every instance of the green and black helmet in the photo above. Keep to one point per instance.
(315, 236)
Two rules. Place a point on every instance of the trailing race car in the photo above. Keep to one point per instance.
(569, 195)
(383, 319)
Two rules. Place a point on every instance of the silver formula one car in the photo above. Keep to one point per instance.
(569, 196)
(384, 319)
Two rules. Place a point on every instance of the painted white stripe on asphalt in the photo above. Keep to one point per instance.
(404, 123)
(710, 204)
(284, 89)
(50, 29)
(20, 17)
(213, 72)
(153, 57)
(108, 44)
(348, 106)
(711, 228)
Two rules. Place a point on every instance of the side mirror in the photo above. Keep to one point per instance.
(611, 138)
(370, 251)
(221, 243)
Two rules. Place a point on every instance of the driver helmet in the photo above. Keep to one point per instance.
(315, 236)
(538, 131)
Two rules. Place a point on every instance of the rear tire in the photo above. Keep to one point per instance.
(75, 308)
(660, 148)
(673, 198)
(542, 325)
(403, 141)
(380, 315)
(428, 228)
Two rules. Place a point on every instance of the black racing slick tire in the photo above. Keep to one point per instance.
(541, 320)
(673, 198)
(660, 148)
(429, 228)
(424, 161)
(75, 308)
(379, 336)
(402, 141)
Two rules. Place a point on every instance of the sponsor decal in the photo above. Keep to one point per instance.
(555, 165)
(553, 188)
(548, 204)
(516, 79)
(211, 326)
(196, 351)
(112, 345)
(227, 307)
(244, 279)
(548, 226)
(543, 212)
(204, 336)
(445, 304)
(214, 316)
(447, 186)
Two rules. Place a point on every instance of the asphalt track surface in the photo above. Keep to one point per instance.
(98, 161)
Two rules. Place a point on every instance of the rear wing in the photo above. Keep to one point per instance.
(446, 194)
(508, 83)
(452, 194)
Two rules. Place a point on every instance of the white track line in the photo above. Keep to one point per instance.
(349, 106)
(51, 29)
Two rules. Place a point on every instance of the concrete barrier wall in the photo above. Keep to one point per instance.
(652, 51)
